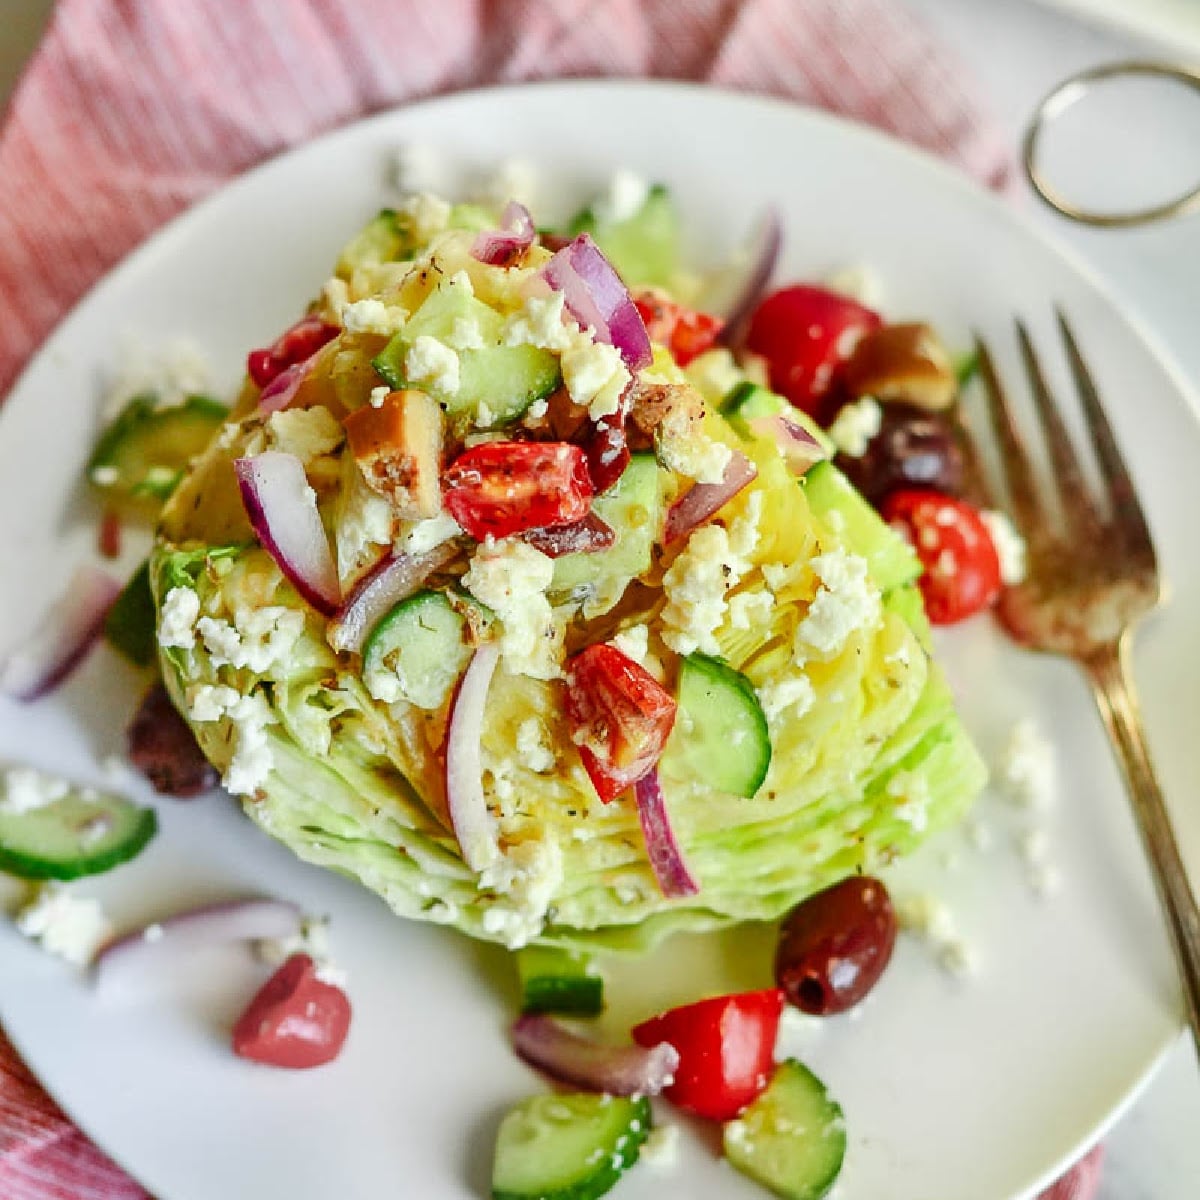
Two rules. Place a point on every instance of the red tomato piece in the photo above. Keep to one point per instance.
(620, 717)
(503, 488)
(295, 1021)
(962, 568)
(726, 1049)
(607, 450)
(589, 536)
(686, 332)
(805, 333)
(293, 346)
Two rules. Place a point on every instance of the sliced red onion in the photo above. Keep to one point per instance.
(473, 824)
(695, 506)
(617, 1070)
(666, 858)
(498, 247)
(281, 391)
(394, 579)
(61, 641)
(283, 513)
(748, 276)
(161, 944)
(799, 448)
(588, 536)
(595, 296)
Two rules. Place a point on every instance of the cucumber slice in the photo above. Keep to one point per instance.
(568, 1147)
(380, 240)
(416, 652)
(558, 981)
(792, 1139)
(722, 736)
(141, 456)
(632, 508)
(907, 603)
(75, 836)
(643, 248)
(748, 400)
(890, 559)
(497, 383)
(129, 627)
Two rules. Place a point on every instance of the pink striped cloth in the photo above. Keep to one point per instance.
(133, 109)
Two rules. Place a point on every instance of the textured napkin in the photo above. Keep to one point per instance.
(133, 109)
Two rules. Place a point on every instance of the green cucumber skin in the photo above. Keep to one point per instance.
(27, 863)
(566, 996)
(130, 626)
(616, 1157)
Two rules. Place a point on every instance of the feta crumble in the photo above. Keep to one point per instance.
(372, 316)
(313, 940)
(527, 876)
(910, 790)
(467, 334)
(855, 425)
(687, 451)
(67, 925)
(379, 395)
(419, 168)
(514, 179)
(432, 362)
(540, 323)
(751, 609)
(1010, 546)
(534, 747)
(696, 585)
(426, 535)
(714, 374)
(177, 621)
(624, 198)
(634, 642)
(257, 639)
(207, 702)
(425, 214)
(27, 790)
(793, 695)
(595, 375)
(929, 919)
(105, 476)
(252, 760)
(846, 602)
(1027, 770)
(308, 433)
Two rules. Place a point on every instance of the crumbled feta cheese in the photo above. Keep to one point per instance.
(793, 695)
(527, 876)
(70, 926)
(26, 790)
(177, 622)
(426, 535)
(252, 760)
(714, 374)
(538, 409)
(172, 373)
(257, 639)
(308, 433)
(690, 452)
(105, 476)
(514, 179)
(634, 642)
(208, 702)
(624, 198)
(1010, 546)
(855, 425)
(928, 918)
(752, 609)
(379, 395)
(595, 375)
(910, 790)
(373, 316)
(511, 578)
(661, 1147)
(425, 214)
(420, 167)
(1027, 771)
(858, 282)
(534, 747)
(364, 520)
(313, 940)
(432, 362)
(958, 958)
(846, 602)
(466, 334)
(540, 323)
(484, 417)
(696, 585)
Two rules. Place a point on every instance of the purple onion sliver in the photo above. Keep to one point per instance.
(281, 391)
(799, 448)
(618, 1070)
(498, 247)
(666, 858)
(473, 824)
(283, 514)
(62, 639)
(762, 256)
(700, 502)
(394, 579)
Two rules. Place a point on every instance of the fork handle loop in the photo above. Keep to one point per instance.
(1112, 683)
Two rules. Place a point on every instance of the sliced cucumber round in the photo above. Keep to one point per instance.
(567, 1147)
(724, 741)
(792, 1139)
(416, 652)
(78, 835)
(558, 981)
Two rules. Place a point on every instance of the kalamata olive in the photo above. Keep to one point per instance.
(834, 946)
(162, 746)
(911, 449)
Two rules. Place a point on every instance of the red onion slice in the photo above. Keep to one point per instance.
(695, 506)
(498, 247)
(799, 448)
(281, 391)
(666, 858)
(749, 274)
(595, 296)
(618, 1070)
(473, 824)
(283, 513)
(588, 536)
(394, 579)
(155, 947)
(61, 641)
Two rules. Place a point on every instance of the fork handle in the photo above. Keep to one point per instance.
(1112, 682)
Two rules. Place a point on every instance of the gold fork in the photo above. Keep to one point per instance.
(1092, 574)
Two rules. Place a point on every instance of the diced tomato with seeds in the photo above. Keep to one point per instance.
(686, 332)
(294, 345)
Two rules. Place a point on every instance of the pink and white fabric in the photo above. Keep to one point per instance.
(133, 109)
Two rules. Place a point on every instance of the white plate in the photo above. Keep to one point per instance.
(952, 1089)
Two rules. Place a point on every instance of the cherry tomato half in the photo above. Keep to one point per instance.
(726, 1049)
(292, 346)
(962, 568)
(620, 717)
(295, 1021)
(686, 332)
(502, 488)
(805, 333)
